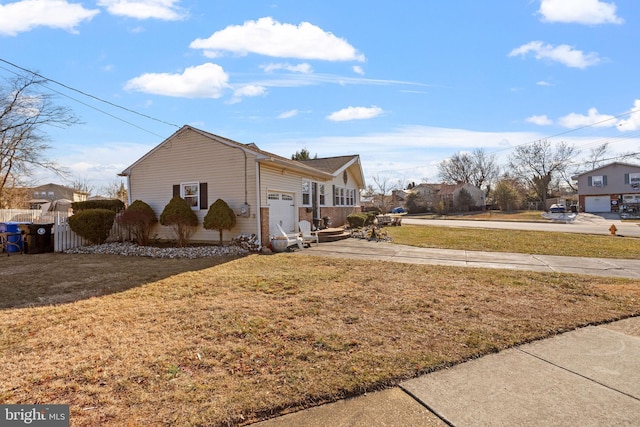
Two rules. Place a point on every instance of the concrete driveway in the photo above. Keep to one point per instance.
(584, 223)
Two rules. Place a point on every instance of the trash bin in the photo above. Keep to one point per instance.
(327, 221)
(38, 238)
(14, 237)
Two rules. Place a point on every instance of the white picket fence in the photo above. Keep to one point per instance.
(63, 237)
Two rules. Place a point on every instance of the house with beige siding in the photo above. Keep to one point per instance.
(264, 189)
(610, 188)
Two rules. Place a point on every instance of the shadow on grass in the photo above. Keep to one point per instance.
(52, 278)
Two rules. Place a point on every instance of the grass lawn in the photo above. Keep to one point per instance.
(137, 341)
(526, 216)
(518, 241)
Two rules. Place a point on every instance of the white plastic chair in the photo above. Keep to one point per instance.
(305, 230)
(292, 239)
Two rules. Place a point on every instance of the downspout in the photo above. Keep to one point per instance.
(129, 189)
(258, 206)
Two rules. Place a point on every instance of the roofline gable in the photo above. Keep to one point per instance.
(261, 156)
(576, 176)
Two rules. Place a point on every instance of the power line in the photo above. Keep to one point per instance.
(91, 96)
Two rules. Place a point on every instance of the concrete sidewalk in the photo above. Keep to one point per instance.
(586, 377)
(383, 251)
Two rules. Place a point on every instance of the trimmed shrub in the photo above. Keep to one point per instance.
(93, 224)
(181, 218)
(138, 219)
(220, 217)
(357, 220)
(111, 204)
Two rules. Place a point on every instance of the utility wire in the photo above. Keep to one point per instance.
(91, 96)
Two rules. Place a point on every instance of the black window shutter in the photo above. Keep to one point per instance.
(626, 178)
(590, 182)
(204, 201)
(176, 190)
(604, 180)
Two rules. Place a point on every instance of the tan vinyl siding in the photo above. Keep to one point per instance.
(275, 179)
(190, 157)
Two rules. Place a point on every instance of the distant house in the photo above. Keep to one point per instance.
(264, 189)
(38, 196)
(611, 188)
(430, 195)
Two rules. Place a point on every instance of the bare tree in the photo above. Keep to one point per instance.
(597, 155)
(382, 191)
(538, 163)
(479, 169)
(24, 112)
(82, 185)
(115, 190)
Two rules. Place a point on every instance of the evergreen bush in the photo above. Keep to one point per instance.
(93, 224)
(139, 219)
(181, 218)
(220, 217)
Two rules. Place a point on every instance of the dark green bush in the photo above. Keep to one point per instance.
(357, 220)
(93, 224)
(139, 219)
(181, 218)
(111, 204)
(220, 217)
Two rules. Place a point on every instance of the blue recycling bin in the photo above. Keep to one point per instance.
(14, 236)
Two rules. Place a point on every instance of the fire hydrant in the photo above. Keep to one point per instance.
(613, 229)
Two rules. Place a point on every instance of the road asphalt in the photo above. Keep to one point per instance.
(586, 377)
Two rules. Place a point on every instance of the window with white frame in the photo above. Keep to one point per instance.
(597, 181)
(344, 196)
(190, 191)
(50, 194)
(306, 193)
(351, 197)
(321, 193)
(634, 180)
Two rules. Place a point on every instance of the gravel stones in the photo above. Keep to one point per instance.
(131, 249)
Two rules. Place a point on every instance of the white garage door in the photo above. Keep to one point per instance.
(597, 204)
(281, 211)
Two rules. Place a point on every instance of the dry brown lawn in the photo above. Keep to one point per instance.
(136, 341)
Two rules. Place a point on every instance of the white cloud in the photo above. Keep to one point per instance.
(358, 70)
(288, 114)
(166, 10)
(563, 54)
(202, 81)
(246, 91)
(26, 15)
(593, 118)
(272, 38)
(355, 113)
(633, 122)
(579, 11)
(540, 120)
(544, 83)
(303, 68)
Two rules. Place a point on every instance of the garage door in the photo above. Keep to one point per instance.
(597, 204)
(281, 211)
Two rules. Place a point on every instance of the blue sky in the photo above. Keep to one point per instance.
(404, 84)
